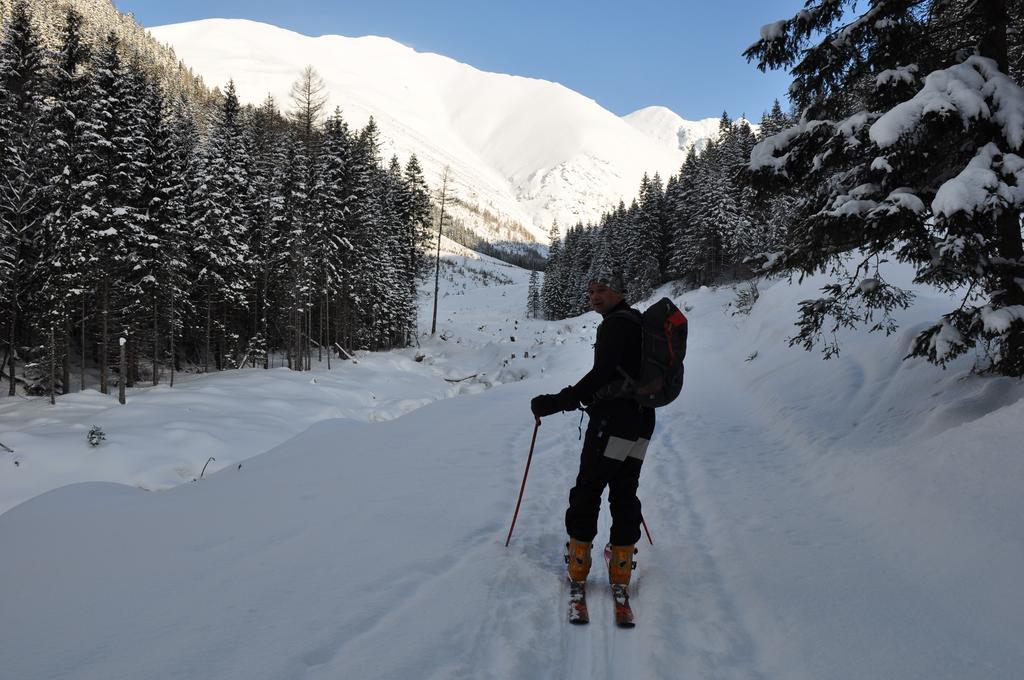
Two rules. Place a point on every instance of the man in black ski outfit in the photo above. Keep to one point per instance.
(616, 440)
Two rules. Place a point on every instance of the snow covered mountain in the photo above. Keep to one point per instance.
(674, 131)
(522, 151)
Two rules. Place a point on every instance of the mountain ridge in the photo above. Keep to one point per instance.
(528, 150)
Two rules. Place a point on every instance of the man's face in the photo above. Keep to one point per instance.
(603, 298)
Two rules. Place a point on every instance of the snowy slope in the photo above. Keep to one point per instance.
(675, 132)
(850, 519)
(527, 150)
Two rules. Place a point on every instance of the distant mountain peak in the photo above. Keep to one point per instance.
(674, 131)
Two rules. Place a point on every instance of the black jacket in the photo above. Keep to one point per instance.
(619, 340)
(618, 345)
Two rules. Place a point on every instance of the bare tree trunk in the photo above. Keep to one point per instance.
(293, 345)
(255, 316)
(290, 344)
(437, 261)
(131, 341)
(104, 387)
(173, 325)
(156, 340)
(124, 370)
(65, 360)
(209, 314)
(11, 391)
(81, 386)
(53, 367)
(12, 334)
(344, 312)
(327, 312)
(263, 326)
(222, 339)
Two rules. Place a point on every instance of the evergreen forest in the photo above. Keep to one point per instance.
(201, 235)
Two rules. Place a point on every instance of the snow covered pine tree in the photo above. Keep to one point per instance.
(878, 96)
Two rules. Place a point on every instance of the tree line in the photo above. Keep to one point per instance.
(701, 226)
(211, 237)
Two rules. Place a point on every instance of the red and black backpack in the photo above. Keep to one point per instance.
(663, 349)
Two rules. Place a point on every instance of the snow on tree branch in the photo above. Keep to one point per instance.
(974, 89)
(982, 186)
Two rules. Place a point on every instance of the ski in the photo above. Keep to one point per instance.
(620, 595)
(623, 612)
(578, 602)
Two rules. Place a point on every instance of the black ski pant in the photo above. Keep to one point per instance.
(613, 453)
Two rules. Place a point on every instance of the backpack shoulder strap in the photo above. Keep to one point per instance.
(631, 314)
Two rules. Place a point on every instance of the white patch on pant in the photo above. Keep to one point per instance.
(639, 449)
(618, 448)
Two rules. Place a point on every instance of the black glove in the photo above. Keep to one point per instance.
(548, 404)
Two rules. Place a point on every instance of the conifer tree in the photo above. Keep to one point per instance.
(64, 294)
(106, 199)
(602, 248)
(296, 241)
(396, 300)
(180, 160)
(682, 209)
(218, 248)
(266, 238)
(774, 121)
(643, 240)
(878, 95)
(573, 267)
(363, 220)
(533, 305)
(775, 207)
(22, 92)
(142, 182)
(615, 238)
(160, 257)
(553, 291)
(333, 212)
(418, 212)
(736, 221)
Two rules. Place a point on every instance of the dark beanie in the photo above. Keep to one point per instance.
(613, 281)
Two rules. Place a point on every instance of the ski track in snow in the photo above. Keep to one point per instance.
(688, 621)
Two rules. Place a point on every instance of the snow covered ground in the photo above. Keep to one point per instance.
(856, 518)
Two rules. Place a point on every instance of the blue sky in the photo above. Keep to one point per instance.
(685, 55)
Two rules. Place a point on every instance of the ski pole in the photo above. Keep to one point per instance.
(523, 486)
(646, 530)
